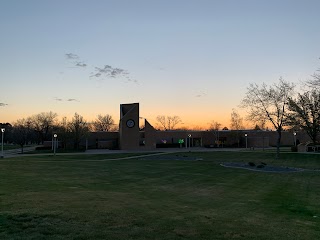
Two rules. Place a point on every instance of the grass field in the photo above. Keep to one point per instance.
(90, 197)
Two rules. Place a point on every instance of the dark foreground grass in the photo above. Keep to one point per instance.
(82, 197)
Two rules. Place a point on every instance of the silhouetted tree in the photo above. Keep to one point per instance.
(269, 103)
(8, 132)
(257, 127)
(215, 127)
(103, 123)
(198, 128)
(315, 81)
(236, 120)
(305, 113)
(21, 132)
(43, 123)
(236, 125)
(78, 128)
(169, 122)
(63, 132)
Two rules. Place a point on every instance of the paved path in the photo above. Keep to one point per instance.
(16, 151)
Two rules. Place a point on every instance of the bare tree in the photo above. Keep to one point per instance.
(315, 81)
(198, 128)
(259, 126)
(269, 103)
(43, 123)
(236, 124)
(78, 128)
(103, 123)
(305, 113)
(215, 127)
(169, 122)
(8, 129)
(63, 132)
(236, 120)
(21, 132)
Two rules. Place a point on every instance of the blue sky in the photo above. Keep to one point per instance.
(188, 58)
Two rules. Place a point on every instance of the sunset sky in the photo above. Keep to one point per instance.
(191, 58)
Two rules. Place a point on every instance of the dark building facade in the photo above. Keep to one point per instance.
(130, 137)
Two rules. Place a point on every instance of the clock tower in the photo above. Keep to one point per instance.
(129, 126)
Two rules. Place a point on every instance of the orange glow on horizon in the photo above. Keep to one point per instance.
(192, 117)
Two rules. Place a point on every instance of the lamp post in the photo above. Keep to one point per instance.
(294, 138)
(2, 134)
(189, 136)
(246, 136)
(54, 143)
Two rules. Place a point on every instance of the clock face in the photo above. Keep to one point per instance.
(130, 123)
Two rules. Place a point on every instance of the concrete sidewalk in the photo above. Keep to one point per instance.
(17, 152)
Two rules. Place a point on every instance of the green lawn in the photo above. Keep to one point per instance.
(88, 197)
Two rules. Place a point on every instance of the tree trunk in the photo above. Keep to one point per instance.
(314, 138)
(278, 142)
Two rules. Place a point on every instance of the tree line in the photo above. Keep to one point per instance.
(41, 127)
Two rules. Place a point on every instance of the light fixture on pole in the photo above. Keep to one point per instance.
(54, 143)
(2, 134)
(294, 138)
(246, 136)
(189, 136)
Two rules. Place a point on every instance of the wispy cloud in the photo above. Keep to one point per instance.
(75, 60)
(72, 100)
(201, 94)
(100, 73)
(133, 80)
(108, 71)
(71, 56)
(67, 100)
(3, 104)
(80, 64)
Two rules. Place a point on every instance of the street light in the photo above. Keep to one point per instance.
(294, 138)
(2, 134)
(55, 143)
(189, 136)
(246, 136)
